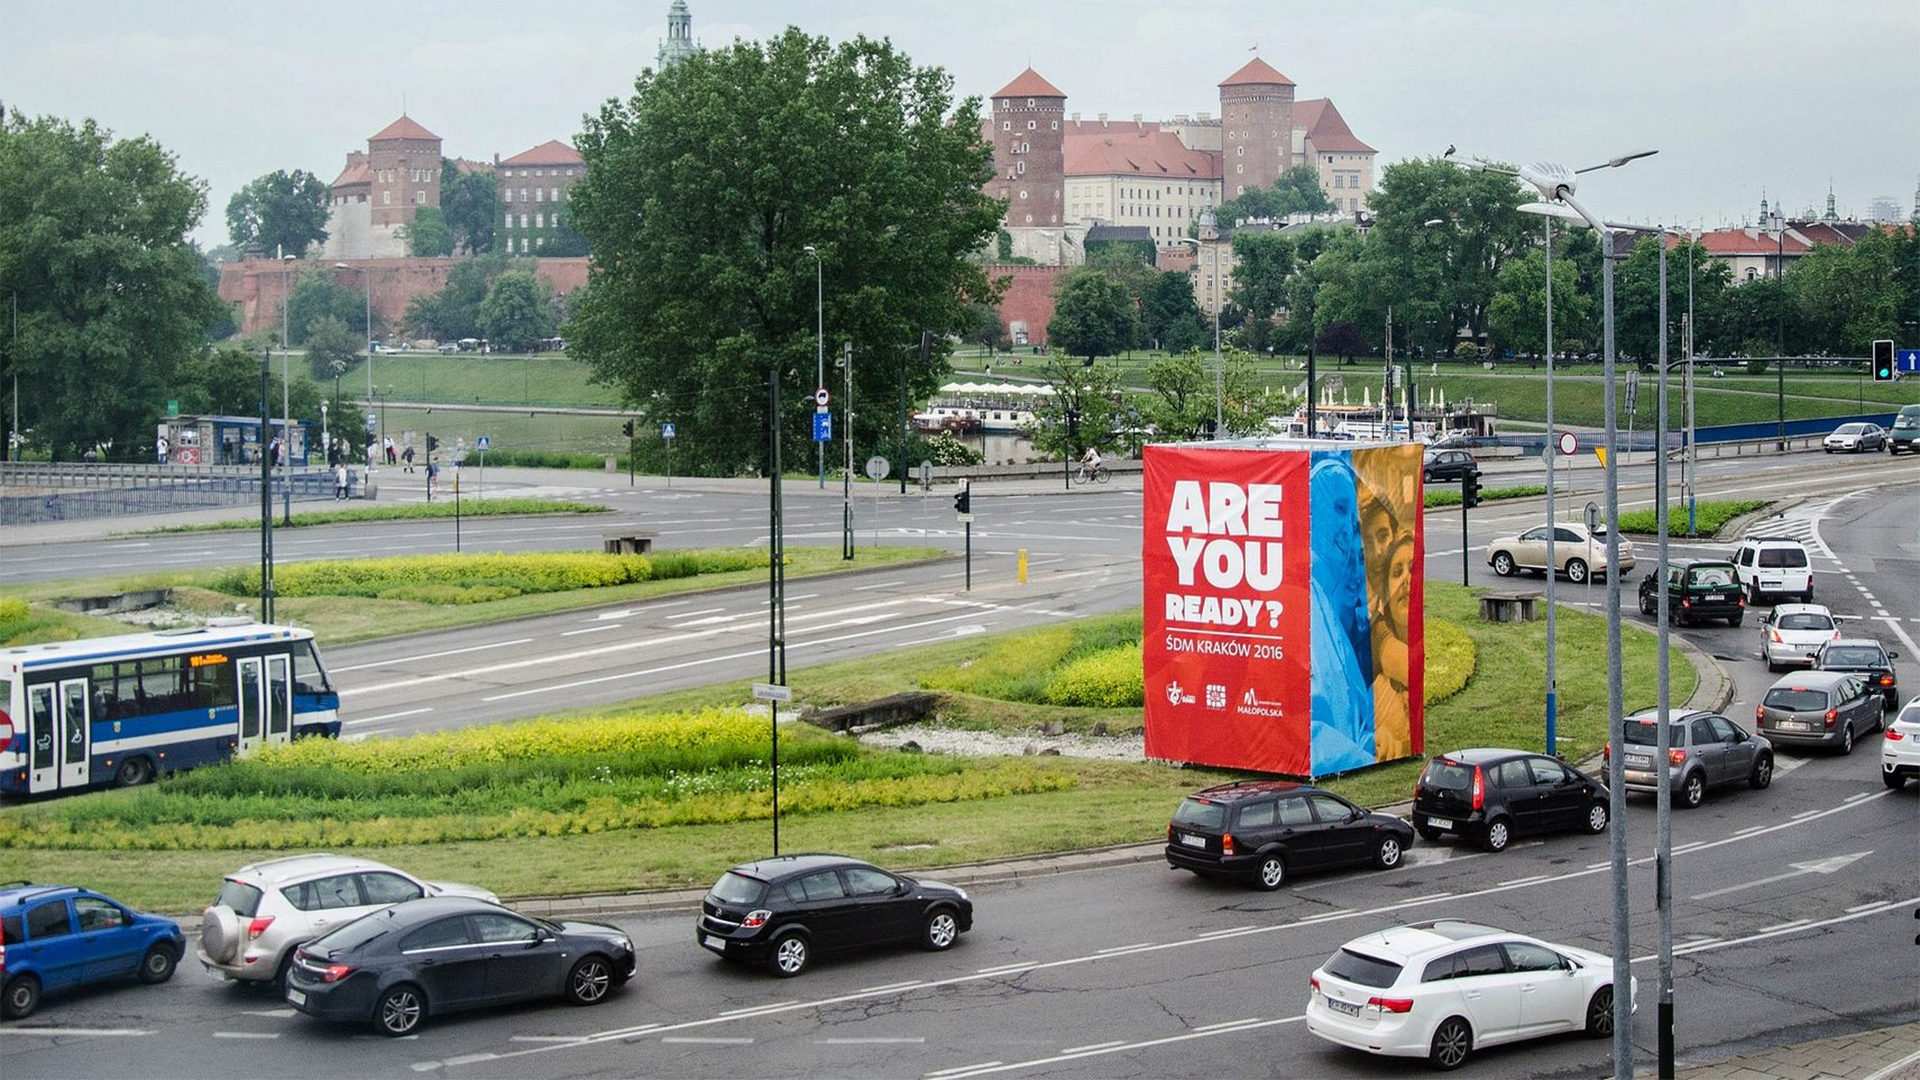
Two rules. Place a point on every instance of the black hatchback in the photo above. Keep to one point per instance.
(1266, 830)
(443, 954)
(1494, 795)
(780, 911)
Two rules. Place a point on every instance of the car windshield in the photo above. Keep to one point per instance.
(1803, 620)
(1853, 656)
(1359, 968)
(1200, 814)
(244, 899)
(1795, 699)
(1779, 557)
(1448, 776)
(1710, 577)
(1644, 733)
(735, 888)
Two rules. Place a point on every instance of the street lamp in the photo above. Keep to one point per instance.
(366, 276)
(1780, 326)
(1208, 223)
(819, 348)
(1556, 184)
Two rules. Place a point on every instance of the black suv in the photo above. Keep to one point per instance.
(779, 911)
(1495, 795)
(1703, 589)
(1263, 830)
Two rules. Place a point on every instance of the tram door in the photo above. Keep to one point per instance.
(43, 739)
(279, 698)
(266, 701)
(252, 705)
(76, 729)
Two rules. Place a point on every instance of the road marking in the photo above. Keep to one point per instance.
(1855, 796)
(592, 629)
(1716, 944)
(1125, 948)
(246, 1034)
(1218, 933)
(759, 1008)
(1783, 926)
(387, 716)
(879, 585)
(1863, 907)
(885, 987)
(278, 1014)
(865, 1042)
(431, 656)
(995, 1066)
(468, 1059)
(1527, 880)
(1228, 1024)
(543, 1038)
(701, 1040)
(958, 1069)
(66, 1032)
(1094, 1046)
(1008, 969)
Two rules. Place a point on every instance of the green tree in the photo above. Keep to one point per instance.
(1169, 316)
(703, 189)
(281, 212)
(1847, 296)
(1263, 269)
(332, 346)
(518, 311)
(221, 381)
(1296, 192)
(111, 297)
(1083, 410)
(454, 311)
(987, 329)
(1093, 315)
(428, 234)
(316, 295)
(1517, 317)
(468, 201)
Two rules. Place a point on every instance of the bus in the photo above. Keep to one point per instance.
(122, 710)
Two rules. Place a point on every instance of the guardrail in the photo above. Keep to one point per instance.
(35, 492)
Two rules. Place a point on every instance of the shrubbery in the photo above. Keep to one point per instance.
(1709, 515)
(1109, 679)
(1450, 658)
(466, 579)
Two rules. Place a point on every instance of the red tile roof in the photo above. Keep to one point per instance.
(551, 152)
(1326, 128)
(403, 128)
(1029, 83)
(1726, 243)
(356, 173)
(1256, 72)
(1123, 150)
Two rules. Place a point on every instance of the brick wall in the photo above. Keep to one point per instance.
(1028, 298)
(255, 284)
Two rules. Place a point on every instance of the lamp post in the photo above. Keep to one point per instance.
(819, 347)
(1780, 326)
(366, 277)
(1207, 223)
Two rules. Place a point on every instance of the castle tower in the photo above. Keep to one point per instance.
(403, 163)
(1256, 128)
(679, 44)
(1029, 152)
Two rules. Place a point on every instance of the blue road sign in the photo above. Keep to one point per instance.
(1907, 361)
(483, 442)
(823, 426)
(666, 431)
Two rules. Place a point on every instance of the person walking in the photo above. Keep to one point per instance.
(407, 457)
(340, 481)
(160, 449)
(386, 443)
(433, 475)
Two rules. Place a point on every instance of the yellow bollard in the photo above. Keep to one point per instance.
(1023, 566)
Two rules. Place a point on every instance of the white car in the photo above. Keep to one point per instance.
(1441, 989)
(1900, 747)
(1576, 552)
(1855, 438)
(1793, 634)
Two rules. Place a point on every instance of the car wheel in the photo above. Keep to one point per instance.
(1648, 606)
(1596, 820)
(1693, 791)
(1387, 853)
(279, 981)
(157, 965)
(20, 998)
(1576, 570)
(1893, 780)
(1846, 737)
(1498, 835)
(590, 980)
(1427, 832)
(1270, 874)
(789, 956)
(133, 772)
(1762, 773)
(1600, 1013)
(1503, 564)
(1452, 1044)
(941, 931)
(400, 1011)
(1736, 620)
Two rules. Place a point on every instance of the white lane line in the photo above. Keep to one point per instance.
(1217, 933)
(1094, 1046)
(592, 629)
(879, 585)
(1126, 948)
(469, 1059)
(960, 1069)
(1228, 1024)
(994, 1067)
(701, 1040)
(865, 1042)
(692, 614)
(885, 987)
(1862, 907)
(1783, 926)
(1008, 969)
(246, 1034)
(1806, 814)
(543, 1038)
(1526, 880)
(68, 1032)
(1716, 944)
(431, 656)
(278, 1014)
(759, 1008)
(355, 722)
(1856, 796)
(1742, 832)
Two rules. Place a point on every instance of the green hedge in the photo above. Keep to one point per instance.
(465, 579)
(1109, 679)
(1709, 516)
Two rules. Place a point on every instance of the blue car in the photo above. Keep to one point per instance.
(53, 937)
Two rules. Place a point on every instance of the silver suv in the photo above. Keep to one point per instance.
(267, 909)
(1773, 566)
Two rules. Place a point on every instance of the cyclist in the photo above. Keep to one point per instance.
(1089, 464)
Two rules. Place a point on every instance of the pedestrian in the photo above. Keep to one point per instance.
(91, 456)
(370, 449)
(433, 476)
(408, 457)
(160, 449)
(340, 481)
(386, 442)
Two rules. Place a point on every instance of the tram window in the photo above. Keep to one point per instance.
(308, 676)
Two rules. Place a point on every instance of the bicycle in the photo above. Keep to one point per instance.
(1097, 474)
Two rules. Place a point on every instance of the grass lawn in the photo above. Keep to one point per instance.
(471, 379)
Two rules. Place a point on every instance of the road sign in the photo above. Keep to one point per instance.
(823, 426)
(483, 443)
(666, 431)
(1593, 517)
(772, 692)
(878, 468)
(1906, 361)
(173, 407)
(820, 397)
(1568, 443)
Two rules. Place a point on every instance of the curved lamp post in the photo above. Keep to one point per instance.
(820, 346)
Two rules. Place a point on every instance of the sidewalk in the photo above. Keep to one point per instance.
(1883, 1054)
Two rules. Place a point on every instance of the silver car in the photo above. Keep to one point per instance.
(1707, 750)
(267, 909)
(1792, 635)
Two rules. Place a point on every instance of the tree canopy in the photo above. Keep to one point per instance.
(317, 295)
(111, 297)
(518, 311)
(1093, 314)
(467, 202)
(279, 213)
(428, 233)
(703, 190)
(454, 311)
(1297, 191)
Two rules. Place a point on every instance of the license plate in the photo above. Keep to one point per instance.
(713, 942)
(1795, 725)
(298, 997)
(1193, 841)
(1347, 1007)
(1439, 823)
(1638, 761)
(1714, 598)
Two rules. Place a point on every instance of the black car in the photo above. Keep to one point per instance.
(1494, 795)
(1698, 590)
(780, 911)
(1265, 830)
(1867, 658)
(1448, 466)
(442, 954)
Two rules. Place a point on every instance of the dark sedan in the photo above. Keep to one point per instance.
(1448, 466)
(1264, 831)
(1866, 658)
(782, 910)
(1495, 794)
(443, 954)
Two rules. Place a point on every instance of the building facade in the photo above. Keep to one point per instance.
(380, 191)
(1256, 121)
(1136, 173)
(1029, 152)
(532, 190)
(679, 43)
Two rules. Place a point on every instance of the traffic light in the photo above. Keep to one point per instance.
(627, 429)
(432, 444)
(1883, 360)
(1470, 489)
(1073, 423)
(963, 501)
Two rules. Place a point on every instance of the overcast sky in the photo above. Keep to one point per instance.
(1741, 97)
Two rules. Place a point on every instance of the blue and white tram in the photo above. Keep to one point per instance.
(124, 709)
